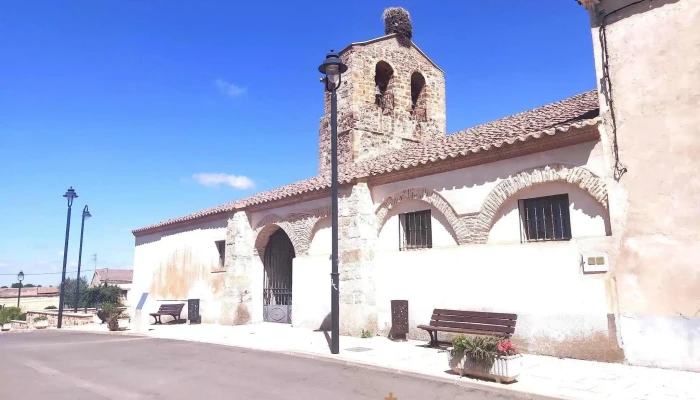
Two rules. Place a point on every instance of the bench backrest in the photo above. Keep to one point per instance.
(476, 322)
(171, 308)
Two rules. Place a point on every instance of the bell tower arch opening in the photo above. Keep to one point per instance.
(383, 89)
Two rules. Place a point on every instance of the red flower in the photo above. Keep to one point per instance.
(506, 348)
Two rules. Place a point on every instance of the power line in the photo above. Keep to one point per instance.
(50, 273)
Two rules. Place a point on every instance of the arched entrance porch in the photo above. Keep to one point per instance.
(277, 280)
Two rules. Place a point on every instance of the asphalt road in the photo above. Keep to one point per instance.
(69, 366)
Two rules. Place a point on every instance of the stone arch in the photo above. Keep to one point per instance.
(419, 97)
(579, 176)
(298, 227)
(263, 233)
(429, 196)
(384, 85)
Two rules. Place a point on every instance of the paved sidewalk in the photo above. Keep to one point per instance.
(549, 376)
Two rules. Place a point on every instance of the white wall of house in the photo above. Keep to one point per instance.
(654, 205)
(311, 291)
(179, 264)
(560, 311)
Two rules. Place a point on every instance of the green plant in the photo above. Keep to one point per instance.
(8, 314)
(50, 308)
(366, 334)
(482, 349)
(40, 318)
(112, 312)
(93, 296)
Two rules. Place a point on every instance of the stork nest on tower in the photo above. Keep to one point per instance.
(397, 20)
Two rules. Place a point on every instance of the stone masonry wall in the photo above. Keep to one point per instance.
(239, 306)
(358, 233)
(365, 129)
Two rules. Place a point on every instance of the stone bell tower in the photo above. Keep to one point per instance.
(392, 95)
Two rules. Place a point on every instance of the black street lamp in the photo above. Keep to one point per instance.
(20, 278)
(70, 195)
(333, 68)
(86, 215)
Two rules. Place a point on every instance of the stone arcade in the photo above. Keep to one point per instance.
(503, 216)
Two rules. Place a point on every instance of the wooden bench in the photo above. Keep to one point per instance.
(469, 322)
(173, 310)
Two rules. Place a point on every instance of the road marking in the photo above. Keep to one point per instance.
(109, 392)
(80, 343)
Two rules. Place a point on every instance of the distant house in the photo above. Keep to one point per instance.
(118, 277)
(32, 298)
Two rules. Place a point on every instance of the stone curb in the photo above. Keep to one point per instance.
(471, 384)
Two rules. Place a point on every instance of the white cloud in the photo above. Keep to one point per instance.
(60, 253)
(229, 89)
(216, 179)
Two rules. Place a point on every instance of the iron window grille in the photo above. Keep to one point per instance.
(415, 231)
(221, 247)
(545, 218)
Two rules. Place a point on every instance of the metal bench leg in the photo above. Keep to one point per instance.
(433, 338)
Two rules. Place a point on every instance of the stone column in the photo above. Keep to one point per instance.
(239, 304)
(357, 233)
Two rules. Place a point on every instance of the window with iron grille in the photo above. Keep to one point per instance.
(221, 246)
(546, 218)
(415, 231)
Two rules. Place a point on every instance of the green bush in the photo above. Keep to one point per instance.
(482, 349)
(112, 312)
(50, 308)
(40, 318)
(8, 314)
(366, 334)
(94, 296)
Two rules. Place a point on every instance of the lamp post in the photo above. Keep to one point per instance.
(70, 196)
(20, 278)
(86, 215)
(333, 68)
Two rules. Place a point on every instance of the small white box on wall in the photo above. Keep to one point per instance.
(595, 262)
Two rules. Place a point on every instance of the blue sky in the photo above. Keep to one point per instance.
(155, 109)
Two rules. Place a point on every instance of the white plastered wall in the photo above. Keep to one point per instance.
(180, 264)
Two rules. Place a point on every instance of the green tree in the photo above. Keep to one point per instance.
(69, 291)
(105, 294)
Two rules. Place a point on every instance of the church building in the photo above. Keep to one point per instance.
(530, 214)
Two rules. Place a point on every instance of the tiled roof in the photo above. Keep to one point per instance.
(29, 292)
(575, 112)
(115, 275)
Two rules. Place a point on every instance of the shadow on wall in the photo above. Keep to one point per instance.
(325, 324)
(612, 5)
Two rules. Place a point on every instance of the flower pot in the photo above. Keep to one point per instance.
(6, 327)
(44, 323)
(504, 369)
(457, 358)
(123, 323)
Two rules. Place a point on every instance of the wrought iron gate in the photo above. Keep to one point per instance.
(277, 282)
